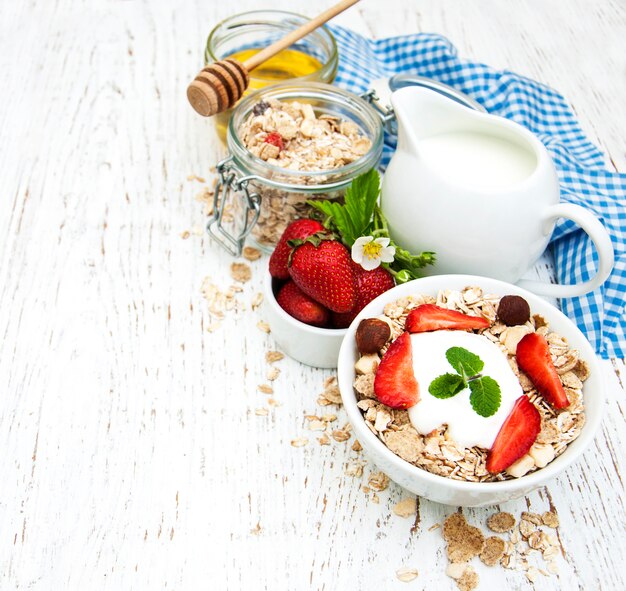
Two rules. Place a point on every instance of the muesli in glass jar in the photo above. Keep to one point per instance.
(289, 144)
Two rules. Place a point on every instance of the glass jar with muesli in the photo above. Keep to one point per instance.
(288, 144)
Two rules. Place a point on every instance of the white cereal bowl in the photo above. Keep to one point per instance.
(310, 345)
(446, 490)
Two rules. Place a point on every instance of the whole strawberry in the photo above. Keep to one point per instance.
(323, 270)
(299, 305)
(369, 285)
(300, 229)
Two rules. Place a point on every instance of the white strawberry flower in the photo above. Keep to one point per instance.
(370, 252)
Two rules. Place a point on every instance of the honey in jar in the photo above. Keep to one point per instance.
(286, 65)
(241, 36)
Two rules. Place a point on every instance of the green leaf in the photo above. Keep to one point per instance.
(353, 219)
(485, 396)
(466, 363)
(360, 199)
(336, 214)
(361, 216)
(446, 386)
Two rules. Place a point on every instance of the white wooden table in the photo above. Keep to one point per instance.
(132, 455)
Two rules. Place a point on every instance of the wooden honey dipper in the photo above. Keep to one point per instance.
(221, 84)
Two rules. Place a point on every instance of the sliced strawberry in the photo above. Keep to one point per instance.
(533, 358)
(516, 436)
(429, 317)
(395, 384)
(299, 305)
(300, 229)
(369, 285)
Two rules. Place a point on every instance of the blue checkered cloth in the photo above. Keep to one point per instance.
(585, 180)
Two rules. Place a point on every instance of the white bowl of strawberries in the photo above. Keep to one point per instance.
(322, 275)
(467, 390)
(314, 290)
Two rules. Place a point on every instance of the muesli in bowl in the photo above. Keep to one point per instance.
(465, 396)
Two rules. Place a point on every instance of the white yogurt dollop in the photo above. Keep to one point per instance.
(465, 425)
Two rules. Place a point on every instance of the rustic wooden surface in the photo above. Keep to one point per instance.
(132, 457)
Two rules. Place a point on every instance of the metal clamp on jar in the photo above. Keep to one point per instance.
(256, 198)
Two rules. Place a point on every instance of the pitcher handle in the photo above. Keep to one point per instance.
(601, 240)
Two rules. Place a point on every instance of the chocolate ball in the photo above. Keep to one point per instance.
(513, 310)
(371, 335)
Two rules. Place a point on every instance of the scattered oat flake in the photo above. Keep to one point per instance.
(374, 498)
(240, 272)
(532, 574)
(257, 529)
(456, 570)
(553, 567)
(324, 440)
(341, 435)
(299, 442)
(273, 402)
(551, 519)
(501, 522)
(405, 507)
(464, 541)
(332, 395)
(273, 373)
(330, 381)
(469, 580)
(356, 446)
(251, 254)
(193, 177)
(534, 518)
(316, 425)
(273, 356)
(261, 412)
(354, 469)
(406, 574)
(434, 526)
(493, 550)
(378, 481)
(263, 326)
(184, 235)
(535, 540)
(265, 388)
(204, 196)
(257, 300)
(526, 528)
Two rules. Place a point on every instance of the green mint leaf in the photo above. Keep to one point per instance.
(446, 386)
(485, 396)
(466, 363)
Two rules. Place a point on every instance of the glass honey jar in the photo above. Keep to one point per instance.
(313, 58)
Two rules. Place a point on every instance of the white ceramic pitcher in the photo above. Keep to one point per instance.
(480, 191)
